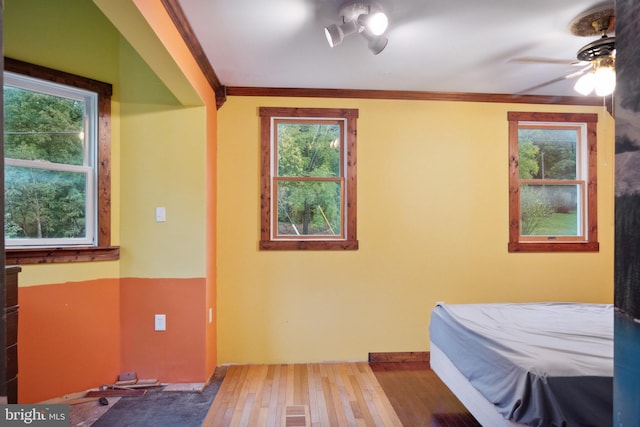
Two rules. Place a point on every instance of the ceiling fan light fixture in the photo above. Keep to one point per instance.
(585, 84)
(605, 81)
(601, 53)
(602, 79)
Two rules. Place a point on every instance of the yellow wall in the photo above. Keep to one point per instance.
(432, 226)
(163, 165)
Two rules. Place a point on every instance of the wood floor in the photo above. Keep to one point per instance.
(419, 397)
(336, 394)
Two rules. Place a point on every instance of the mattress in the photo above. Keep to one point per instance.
(540, 364)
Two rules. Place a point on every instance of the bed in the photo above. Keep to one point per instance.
(533, 364)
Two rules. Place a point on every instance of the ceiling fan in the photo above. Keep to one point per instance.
(596, 58)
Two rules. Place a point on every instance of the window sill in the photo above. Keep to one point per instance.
(58, 255)
(554, 247)
(310, 245)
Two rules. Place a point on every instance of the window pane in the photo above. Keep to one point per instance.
(547, 153)
(44, 204)
(308, 149)
(45, 127)
(550, 210)
(309, 208)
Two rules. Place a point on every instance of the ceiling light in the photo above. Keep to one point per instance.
(365, 17)
(376, 43)
(335, 34)
(585, 84)
(605, 81)
(376, 22)
(602, 79)
(601, 53)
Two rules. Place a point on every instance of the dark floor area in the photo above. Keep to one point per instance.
(158, 408)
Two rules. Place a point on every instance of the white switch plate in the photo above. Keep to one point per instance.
(160, 322)
(161, 214)
(210, 314)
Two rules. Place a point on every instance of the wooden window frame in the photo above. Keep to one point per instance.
(587, 243)
(349, 241)
(103, 249)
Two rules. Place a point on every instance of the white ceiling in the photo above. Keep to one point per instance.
(434, 45)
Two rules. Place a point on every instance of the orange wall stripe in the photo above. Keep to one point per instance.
(68, 338)
(174, 355)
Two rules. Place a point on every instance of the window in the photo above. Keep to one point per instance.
(308, 178)
(552, 182)
(56, 155)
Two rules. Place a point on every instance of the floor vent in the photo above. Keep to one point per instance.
(296, 416)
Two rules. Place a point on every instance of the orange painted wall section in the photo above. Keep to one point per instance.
(174, 355)
(68, 338)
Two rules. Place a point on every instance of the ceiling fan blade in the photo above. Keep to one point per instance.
(556, 80)
(537, 60)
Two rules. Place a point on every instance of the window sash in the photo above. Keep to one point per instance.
(581, 169)
(277, 178)
(581, 233)
(89, 153)
(275, 229)
(89, 207)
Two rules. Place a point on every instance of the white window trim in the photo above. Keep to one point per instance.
(342, 178)
(90, 100)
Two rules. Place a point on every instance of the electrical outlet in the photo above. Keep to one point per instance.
(160, 322)
(161, 214)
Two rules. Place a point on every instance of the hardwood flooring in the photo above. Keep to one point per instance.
(419, 397)
(327, 394)
(334, 395)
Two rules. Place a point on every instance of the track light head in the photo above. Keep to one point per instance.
(365, 17)
(375, 22)
(336, 33)
(376, 44)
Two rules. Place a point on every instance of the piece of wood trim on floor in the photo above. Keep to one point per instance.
(185, 387)
(118, 392)
(81, 400)
(64, 399)
(400, 357)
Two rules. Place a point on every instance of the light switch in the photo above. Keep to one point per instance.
(160, 322)
(161, 214)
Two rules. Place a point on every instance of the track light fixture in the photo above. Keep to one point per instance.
(364, 17)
